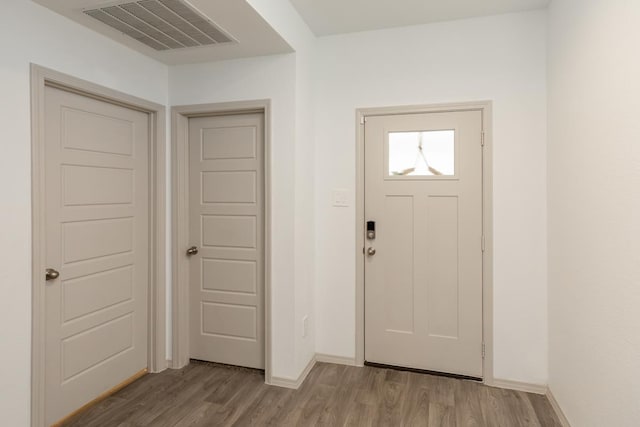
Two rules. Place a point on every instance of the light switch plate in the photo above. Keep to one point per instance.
(340, 198)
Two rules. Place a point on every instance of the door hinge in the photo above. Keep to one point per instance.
(482, 139)
(482, 244)
(483, 350)
(363, 120)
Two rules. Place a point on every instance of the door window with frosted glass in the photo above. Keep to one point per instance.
(421, 154)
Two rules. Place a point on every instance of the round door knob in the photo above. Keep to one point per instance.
(371, 251)
(192, 250)
(51, 274)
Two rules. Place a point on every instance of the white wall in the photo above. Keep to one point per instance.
(594, 210)
(282, 16)
(498, 58)
(30, 33)
(305, 273)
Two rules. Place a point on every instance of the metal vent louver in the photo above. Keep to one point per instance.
(161, 24)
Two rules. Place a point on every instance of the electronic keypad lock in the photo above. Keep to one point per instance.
(371, 230)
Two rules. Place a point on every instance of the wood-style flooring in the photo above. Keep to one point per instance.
(205, 394)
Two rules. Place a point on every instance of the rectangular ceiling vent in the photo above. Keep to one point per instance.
(161, 24)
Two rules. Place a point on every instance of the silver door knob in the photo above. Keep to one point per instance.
(192, 250)
(371, 251)
(51, 274)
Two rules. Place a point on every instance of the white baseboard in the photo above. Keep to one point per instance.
(519, 386)
(294, 383)
(556, 407)
(337, 360)
(176, 365)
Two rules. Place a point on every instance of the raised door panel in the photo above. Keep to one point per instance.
(97, 132)
(229, 187)
(85, 240)
(232, 231)
(230, 320)
(89, 185)
(87, 294)
(225, 275)
(398, 274)
(82, 351)
(232, 142)
(442, 263)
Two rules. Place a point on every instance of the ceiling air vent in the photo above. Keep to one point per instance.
(161, 24)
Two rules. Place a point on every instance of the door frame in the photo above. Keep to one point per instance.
(180, 116)
(41, 78)
(485, 107)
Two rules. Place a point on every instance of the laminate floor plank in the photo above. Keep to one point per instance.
(182, 403)
(389, 407)
(265, 405)
(520, 406)
(93, 414)
(467, 405)
(442, 415)
(231, 403)
(208, 394)
(312, 409)
(415, 411)
(494, 409)
(291, 411)
(544, 410)
(336, 411)
(361, 414)
(165, 403)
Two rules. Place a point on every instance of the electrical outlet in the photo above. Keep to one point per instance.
(305, 326)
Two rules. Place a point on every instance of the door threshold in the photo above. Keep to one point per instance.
(224, 365)
(422, 371)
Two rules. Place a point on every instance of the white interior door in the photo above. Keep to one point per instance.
(97, 203)
(226, 193)
(423, 268)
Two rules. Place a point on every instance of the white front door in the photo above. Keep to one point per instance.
(97, 234)
(423, 267)
(226, 193)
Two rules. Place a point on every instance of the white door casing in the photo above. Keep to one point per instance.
(423, 287)
(97, 237)
(226, 205)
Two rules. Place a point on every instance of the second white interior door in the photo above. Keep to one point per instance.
(227, 226)
(423, 283)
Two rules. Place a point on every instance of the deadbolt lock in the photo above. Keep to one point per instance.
(371, 230)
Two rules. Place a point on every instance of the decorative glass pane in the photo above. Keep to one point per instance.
(430, 153)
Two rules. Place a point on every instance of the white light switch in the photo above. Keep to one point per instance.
(340, 198)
